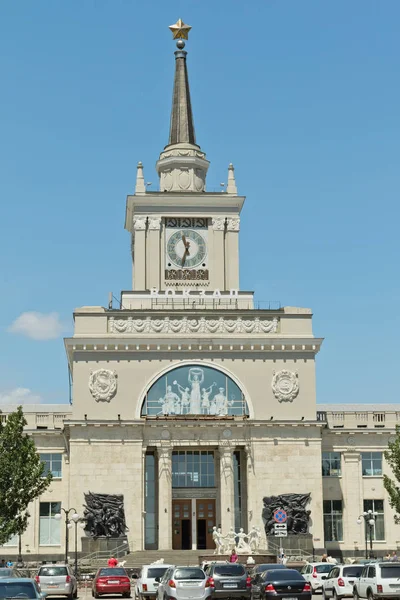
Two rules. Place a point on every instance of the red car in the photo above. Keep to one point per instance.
(111, 580)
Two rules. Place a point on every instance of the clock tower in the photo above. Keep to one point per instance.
(183, 237)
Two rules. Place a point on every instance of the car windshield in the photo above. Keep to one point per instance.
(353, 571)
(112, 572)
(323, 568)
(229, 570)
(153, 573)
(6, 572)
(284, 575)
(187, 573)
(389, 571)
(267, 568)
(53, 571)
(22, 589)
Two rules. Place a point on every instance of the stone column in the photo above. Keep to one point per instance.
(226, 488)
(139, 252)
(217, 268)
(352, 495)
(164, 498)
(154, 253)
(232, 253)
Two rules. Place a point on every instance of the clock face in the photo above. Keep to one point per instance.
(186, 248)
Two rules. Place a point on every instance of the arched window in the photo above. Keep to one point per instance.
(194, 390)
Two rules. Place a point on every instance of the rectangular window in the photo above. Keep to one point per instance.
(237, 488)
(150, 506)
(371, 464)
(193, 468)
(13, 541)
(331, 464)
(333, 520)
(49, 527)
(52, 464)
(378, 530)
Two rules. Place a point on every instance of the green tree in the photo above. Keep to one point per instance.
(392, 455)
(21, 475)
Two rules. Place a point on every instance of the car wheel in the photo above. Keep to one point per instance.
(76, 593)
(355, 595)
(324, 596)
(335, 596)
(370, 595)
(96, 595)
(70, 596)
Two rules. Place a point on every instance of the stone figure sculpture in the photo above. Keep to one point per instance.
(294, 505)
(254, 539)
(105, 515)
(243, 543)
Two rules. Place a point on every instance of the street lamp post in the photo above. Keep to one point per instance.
(68, 525)
(369, 517)
(82, 523)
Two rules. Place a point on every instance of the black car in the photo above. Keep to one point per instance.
(258, 574)
(229, 580)
(287, 584)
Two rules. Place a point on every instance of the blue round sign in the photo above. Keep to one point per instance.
(280, 516)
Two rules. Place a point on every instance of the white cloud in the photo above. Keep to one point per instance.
(38, 326)
(19, 396)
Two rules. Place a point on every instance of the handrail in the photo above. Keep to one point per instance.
(118, 552)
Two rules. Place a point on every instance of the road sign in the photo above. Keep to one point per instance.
(281, 533)
(280, 516)
(280, 527)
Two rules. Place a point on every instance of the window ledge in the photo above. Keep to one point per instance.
(50, 545)
(372, 476)
(331, 476)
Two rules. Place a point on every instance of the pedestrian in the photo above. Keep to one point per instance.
(2, 564)
(233, 557)
(10, 564)
(387, 556)
(324, 558)
(112, 562)
(394, 556)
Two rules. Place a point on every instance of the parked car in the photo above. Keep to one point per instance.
(258, 574)
(287, 584)
(111, 580)
(20, 588)
(340, 581)
(146, 584)
(229, 580)
(9, 572)
(184, 583)
(378, 580)
(315, 573)
(57, 580)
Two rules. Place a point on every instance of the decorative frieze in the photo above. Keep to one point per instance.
(186, 274)
(186, 325)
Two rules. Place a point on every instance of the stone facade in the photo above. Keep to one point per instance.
(187, 369)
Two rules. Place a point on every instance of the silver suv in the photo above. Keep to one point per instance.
(146, 584)
(378, 580)
(57, 580)
(184, 583)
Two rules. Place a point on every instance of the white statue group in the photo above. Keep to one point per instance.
(242, 543)
(195, 400)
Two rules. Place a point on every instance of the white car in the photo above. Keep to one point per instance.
(378, 580)
(146, 584)
(315, 573)
(340, 581)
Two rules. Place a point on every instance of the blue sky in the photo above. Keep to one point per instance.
(302, 96)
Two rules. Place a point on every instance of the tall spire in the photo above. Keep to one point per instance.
(182, 166)
(182, 126)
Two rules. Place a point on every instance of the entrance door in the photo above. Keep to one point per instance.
(181, 525)
(205, 514)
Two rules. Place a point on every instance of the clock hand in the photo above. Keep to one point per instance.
(184, 240)
(185, 254)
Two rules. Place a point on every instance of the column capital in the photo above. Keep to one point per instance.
(218, 223)
(233, 223)
(139, 223)
(225, 451)
(154, 223)
(164, 452)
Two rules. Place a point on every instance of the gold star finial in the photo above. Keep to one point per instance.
(180, 30)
